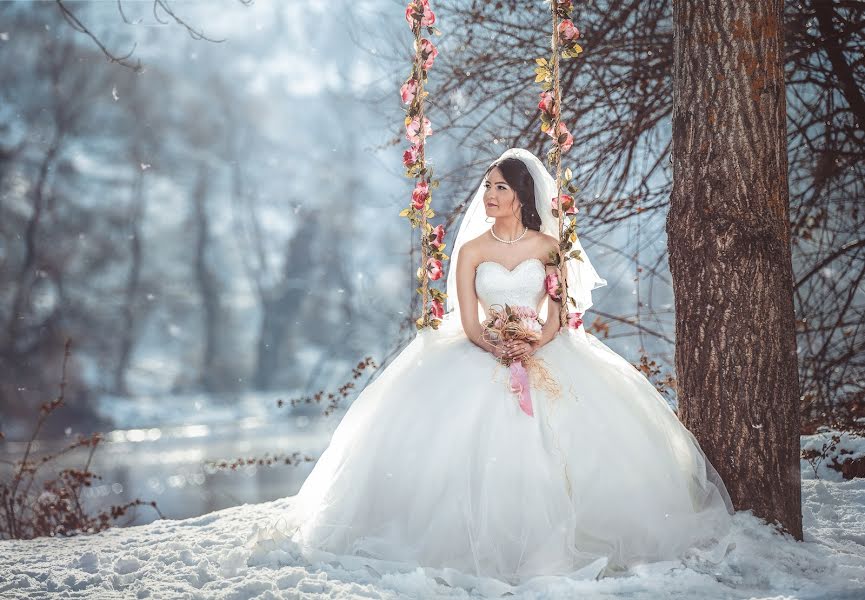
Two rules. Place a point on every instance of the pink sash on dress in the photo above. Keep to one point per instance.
(520, 384)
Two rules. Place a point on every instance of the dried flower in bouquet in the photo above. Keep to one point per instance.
(520, 323)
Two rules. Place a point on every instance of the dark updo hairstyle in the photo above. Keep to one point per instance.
(517, 175)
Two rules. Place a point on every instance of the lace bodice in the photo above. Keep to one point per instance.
(523, 285)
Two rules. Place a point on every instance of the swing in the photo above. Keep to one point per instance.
(419, 16)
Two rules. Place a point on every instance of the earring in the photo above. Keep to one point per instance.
(485, 219)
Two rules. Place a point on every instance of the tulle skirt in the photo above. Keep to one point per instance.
(435, 464)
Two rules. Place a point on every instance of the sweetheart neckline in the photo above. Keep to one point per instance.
(507, 269)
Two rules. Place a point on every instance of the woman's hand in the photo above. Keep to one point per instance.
(519, 349)
(498, 351)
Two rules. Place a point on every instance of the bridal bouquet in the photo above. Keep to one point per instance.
(519, 323)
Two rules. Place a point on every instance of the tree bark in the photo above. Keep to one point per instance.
(729, 247)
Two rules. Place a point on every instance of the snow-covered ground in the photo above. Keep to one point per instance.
(214, 556)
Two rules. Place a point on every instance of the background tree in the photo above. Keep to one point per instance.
(165, 219)
(729, 243)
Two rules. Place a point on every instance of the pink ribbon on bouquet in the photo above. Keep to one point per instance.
(520, 384)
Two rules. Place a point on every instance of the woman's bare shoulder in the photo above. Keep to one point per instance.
(548, 241)
(470, 249)
(548, 246)
(545, 236)
(474, 245)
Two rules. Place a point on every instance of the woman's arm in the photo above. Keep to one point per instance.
(468, 301)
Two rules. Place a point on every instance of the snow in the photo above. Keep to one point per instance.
(216, 556)
(833, 448)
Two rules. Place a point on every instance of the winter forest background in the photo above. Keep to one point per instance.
(219, 232)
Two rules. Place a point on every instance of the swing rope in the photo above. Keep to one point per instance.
(563, 45)
(419, 15)
(557, 97)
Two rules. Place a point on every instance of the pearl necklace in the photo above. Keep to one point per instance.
(517, 239)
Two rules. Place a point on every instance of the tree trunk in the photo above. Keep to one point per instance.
(282, 306)
(206, 285)
(27, 272)
(729, 248)
(129, 326)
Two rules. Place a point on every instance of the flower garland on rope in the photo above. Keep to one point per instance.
(418, 14)
(564, 45)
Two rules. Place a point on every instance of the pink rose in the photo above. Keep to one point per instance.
(408, 90)
(568, 205)
(524, 312)
(428, 52)
(567, 31)
(439, 232)
(412, 129)
(575, 319)
(416, 8)
(420, 194)
(531, 324)
(436, 309)
(434, 268)
(564, 134)
(411, 156)
(547, 103)
(552, 283)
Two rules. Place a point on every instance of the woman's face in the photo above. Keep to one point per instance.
(500, 199)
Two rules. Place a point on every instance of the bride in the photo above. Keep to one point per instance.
(438, 463)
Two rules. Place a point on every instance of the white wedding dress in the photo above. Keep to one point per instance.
(436, 465)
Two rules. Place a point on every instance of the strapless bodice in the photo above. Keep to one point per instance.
(522, 285)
